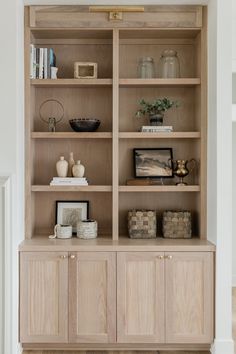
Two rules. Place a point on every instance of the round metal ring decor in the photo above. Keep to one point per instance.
(53, 120)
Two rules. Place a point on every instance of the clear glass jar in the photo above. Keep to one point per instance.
(146, 68)
(170, 67)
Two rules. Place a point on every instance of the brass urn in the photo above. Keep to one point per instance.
(181, 169)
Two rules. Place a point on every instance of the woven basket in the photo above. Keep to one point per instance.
(142, 224)
(87, 229)
(177, 224)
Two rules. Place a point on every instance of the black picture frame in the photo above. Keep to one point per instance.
(59, 218)
(141, 170)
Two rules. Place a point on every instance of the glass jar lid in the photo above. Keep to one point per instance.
(169, 53)
(150, 59)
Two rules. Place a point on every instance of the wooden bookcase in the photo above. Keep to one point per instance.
(107, 153)
(64, 282)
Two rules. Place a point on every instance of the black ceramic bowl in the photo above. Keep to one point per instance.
(84, 124)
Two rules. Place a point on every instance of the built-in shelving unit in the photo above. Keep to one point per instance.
(78, 294)
(113, 98)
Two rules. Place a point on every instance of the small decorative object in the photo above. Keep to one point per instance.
(52, 121)
(142, 224)
(84, 124)
(78, 170)
(87, 229)
(71, 212)
(170, 67)
(62, 231)
(180, 169)
(152, 163)
(71, 164)
(155, 110)
(146, 68)
(62, 167)
(83, 70)
(54, 71)
(177, 224)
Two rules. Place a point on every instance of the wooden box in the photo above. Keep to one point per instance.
(83, 70)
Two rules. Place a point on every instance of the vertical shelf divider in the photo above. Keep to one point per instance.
(115, 137)
(28, 128)
(203, 112)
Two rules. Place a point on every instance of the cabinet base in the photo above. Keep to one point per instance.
(118, 347)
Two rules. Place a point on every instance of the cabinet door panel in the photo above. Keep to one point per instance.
(140, 299)
(92, 307)
(189, 297)
(43, 297)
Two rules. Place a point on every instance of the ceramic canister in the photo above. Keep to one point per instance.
(62, 231)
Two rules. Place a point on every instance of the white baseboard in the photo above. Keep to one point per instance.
(19, 349)
(234, 281)
(221, 346)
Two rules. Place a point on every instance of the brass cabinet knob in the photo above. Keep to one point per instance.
(169, 256)
(160, 257)
(63, 256)
(72, 256)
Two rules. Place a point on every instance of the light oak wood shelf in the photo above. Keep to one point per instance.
(159, 82)
(40, 188)
(163, 188)
(71, 82)
(71, 135)
(172, 135)
(105, 243)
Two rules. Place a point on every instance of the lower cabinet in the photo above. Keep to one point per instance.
(140, 298)
(43, 297)
(92, 297)
(189, 297)
(109, 297)
(165, 297)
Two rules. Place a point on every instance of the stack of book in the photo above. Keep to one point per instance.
(156, 129)
(69, 181)
(41, 61)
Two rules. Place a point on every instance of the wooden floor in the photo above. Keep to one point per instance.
(133, 352)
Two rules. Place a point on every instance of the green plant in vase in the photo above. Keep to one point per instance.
(155, 110)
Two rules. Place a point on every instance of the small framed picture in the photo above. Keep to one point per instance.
(153, 163)
(70, 212)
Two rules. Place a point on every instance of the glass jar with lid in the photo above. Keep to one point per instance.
(170, 67)
(146, 68)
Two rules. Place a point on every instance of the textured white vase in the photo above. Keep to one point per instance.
(62, 167)
(78, 170)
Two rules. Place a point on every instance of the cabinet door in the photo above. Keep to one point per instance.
(43, 297)
(140, 297)
(92, 294)
(189, 297)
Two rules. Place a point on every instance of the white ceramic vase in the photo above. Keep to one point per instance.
(78, 170)
(62, 167)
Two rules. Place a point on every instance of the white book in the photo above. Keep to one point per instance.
(68, 179)
(158, 127)
(45, 63)
(68, 184)
(34, 63)
(31, 61)
(157, 131)
(40, 63)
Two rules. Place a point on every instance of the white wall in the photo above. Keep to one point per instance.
(234, 201)
(11, 144)
(234, 143)
(11, 157)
